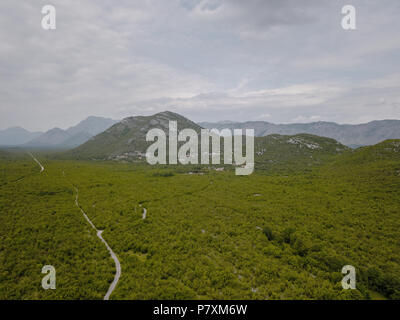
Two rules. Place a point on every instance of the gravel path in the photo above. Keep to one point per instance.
(37, 161)
(113, 255)
(98, 232)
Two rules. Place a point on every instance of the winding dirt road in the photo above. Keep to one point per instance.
(113, 255)
(144, 213)
(98, 233)
(117, 267)
(37, 161)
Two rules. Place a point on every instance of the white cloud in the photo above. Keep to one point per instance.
(208, 59)
(305, 119)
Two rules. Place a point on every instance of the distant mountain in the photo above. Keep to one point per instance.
(73, 136)
(15, 136)
(51, 138)
(350, 135)
(77, 139)
(127, 139)
(91, 126)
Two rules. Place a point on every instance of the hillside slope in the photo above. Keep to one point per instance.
(126, 140)
(51, 138)
(292, 153)
(91, 126)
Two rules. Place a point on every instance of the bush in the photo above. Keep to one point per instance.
(163, 174)
(385, 283)
(287, 234)
(268, 232)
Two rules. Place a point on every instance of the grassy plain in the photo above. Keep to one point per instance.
(270, 235)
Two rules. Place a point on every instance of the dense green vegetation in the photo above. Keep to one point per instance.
(293, 154)
(40, 225)
(270, 235)
(14, 166)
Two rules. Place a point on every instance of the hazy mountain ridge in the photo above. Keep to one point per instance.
(73, 136)
(350, 135)
(53, 137)
(91, 125)
(16, 136)
(77, 139)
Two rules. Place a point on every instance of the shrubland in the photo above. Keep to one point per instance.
(284, 232)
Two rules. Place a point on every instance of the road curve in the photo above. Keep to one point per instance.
(113, 255)
(98, 233)
(37, 161)
(117, 267)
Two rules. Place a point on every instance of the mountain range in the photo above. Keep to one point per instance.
(56, 137)
(16, 136)
(126, 141)
(347, 134)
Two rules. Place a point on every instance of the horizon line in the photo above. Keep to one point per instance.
(198, 122)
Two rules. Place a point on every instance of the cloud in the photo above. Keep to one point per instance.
(265, 116)
(208, 59)
(306, 119)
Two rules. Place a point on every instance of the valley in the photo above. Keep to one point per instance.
(275, 234)
(199, 157)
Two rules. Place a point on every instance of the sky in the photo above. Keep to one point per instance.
(285, 61)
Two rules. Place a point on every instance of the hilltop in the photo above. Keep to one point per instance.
(280, 152)
(385, 150)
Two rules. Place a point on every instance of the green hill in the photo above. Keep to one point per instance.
(126, 140)
(386, 150)
(379, 162)
(298, 152)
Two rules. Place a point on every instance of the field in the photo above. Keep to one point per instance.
(206, 234)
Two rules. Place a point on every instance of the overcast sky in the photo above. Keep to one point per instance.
(279, 61)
